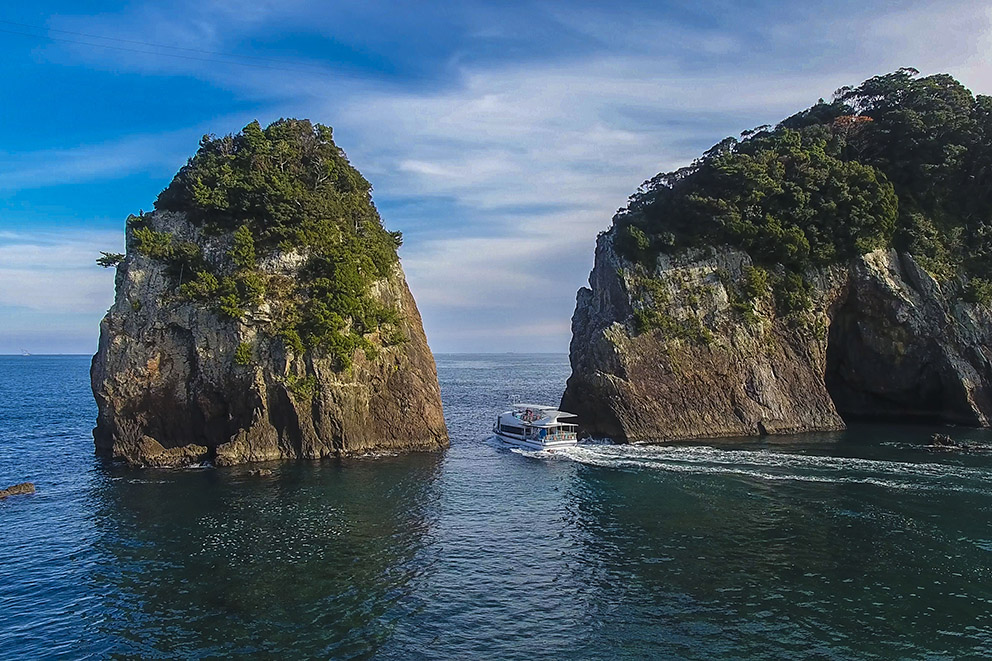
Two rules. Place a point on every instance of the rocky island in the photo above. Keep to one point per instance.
(835, 266)
(261, 313)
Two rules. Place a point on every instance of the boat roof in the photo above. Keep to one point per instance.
(549, 414)
(546, 411)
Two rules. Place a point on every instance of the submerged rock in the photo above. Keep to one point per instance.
(250, 340)
(18, 490)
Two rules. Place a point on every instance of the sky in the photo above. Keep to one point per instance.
(500, 138)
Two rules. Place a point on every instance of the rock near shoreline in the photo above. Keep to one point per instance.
(833, 266)
(23, 489)
(881, 341)
(171, 390)
(261, 313)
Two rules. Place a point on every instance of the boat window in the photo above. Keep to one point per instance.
(512, 430)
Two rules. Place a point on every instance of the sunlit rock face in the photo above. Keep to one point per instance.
(178, 383)
(880, 341)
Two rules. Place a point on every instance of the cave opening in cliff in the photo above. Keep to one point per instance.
(875, 373)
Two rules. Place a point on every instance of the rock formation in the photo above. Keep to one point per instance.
(882, 341)
(225, 344)
(836, 266)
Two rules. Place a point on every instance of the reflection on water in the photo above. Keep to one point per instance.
(315, 556)
(756, 566)
(865, 544)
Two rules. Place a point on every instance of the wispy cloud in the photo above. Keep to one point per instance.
(533, 145)
(160, 154)
(56, 273)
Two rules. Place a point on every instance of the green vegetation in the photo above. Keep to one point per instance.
(109, 259)
(242, 355)
(899, 161)
(634, 243)
(979, 290)
(753, 286)
(292, 341)
(690, 329)
(303, 388)
(650, 316)
(203, 287)
(284, 188)
(755, 283)
(183, 257)
(242, 253)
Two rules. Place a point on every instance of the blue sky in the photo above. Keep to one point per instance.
(499, 137)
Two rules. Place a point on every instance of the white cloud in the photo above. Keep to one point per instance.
(56, 272)
(569, 137)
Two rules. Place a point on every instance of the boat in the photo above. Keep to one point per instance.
(536, 427)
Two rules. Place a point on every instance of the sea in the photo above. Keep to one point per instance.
(866, 544)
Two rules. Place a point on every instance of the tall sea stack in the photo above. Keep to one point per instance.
(836, 266)
(261, 313)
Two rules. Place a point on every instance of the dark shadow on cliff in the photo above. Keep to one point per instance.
(875, 372)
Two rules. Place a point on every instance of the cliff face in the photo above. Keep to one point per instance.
(836, 265)
(880, 340)
(177, 383)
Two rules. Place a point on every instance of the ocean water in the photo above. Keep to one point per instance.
(863, 544)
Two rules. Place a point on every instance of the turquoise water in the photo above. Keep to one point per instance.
(856, 545)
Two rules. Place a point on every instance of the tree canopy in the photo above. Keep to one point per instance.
(899, 160)
(284, 187)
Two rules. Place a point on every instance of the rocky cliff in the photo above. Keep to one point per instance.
(227, 345)
(833, 267)
(881, 340)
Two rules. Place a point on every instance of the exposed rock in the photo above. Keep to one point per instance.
(170, 391)
(18, 490)
(942, 441)
(881, 341)
(260, 472)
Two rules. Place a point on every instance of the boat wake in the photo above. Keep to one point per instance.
(775, 465)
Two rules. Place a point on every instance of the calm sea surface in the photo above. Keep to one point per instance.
(855, 545)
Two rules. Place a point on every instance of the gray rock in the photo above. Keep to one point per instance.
(169, 392)
(882, 341)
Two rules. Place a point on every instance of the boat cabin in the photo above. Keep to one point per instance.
(540, 425)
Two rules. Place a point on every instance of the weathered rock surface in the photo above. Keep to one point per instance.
(882, 341)
(170, 392)
(17, 490)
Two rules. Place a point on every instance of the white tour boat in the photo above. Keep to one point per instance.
(536, 427)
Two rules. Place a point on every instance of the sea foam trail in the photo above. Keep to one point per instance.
(765, 464)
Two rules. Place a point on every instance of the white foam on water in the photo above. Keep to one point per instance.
(773, 465)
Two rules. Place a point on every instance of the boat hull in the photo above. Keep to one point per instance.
(533, 444)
